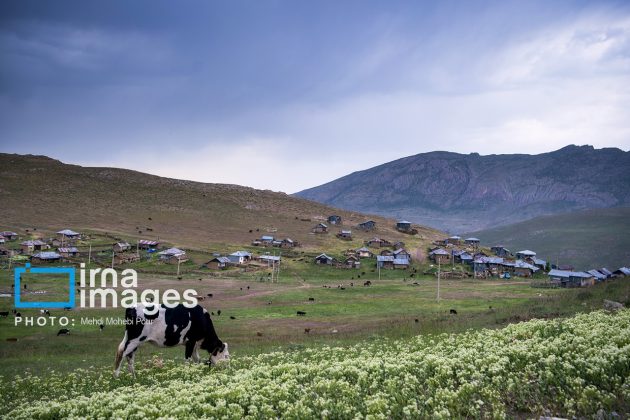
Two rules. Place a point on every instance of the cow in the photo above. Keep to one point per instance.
(453, 312)
(63, 331)
(301, 313)
(168, 327)
(4, 314)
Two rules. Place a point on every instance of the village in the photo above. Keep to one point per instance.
(450, 258)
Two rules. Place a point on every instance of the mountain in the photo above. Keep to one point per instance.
(585, 239)
(460, 193)
(43, 193)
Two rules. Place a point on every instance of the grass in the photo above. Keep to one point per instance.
(266, 313)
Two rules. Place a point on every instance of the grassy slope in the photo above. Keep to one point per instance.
(46, 194)
(585, 239)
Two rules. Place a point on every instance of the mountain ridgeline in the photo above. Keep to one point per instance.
(463, 193)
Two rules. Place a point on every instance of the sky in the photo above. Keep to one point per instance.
(287, 95)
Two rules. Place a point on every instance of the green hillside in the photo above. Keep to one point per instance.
(585, 239)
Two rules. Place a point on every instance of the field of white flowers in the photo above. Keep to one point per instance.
(576, 366)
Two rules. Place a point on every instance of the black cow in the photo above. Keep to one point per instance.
(63, 331)
(453, 312)
(190, 327)
(301, 313)
(4, 314)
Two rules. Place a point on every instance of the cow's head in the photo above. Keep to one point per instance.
(220, 354)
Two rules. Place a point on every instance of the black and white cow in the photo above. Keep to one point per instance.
(168, 327)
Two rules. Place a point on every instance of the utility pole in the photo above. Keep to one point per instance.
(438, 285)
(113, 255)
(178, 262)
(90, 254)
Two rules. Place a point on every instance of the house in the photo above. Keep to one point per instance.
(324, 259)
(460, 256)
(566, 278)
(385, 261)
(2, 240)
(173, 256)
(519, 268)
(240, 257)
(453, 240)
(377, 242)
(474, 242)
(334, 219)
(606, 272)
(364, 253)
(9, 236)
(491, 264)
(28, 247)
(401, 263)
(501, 251)
(146, 244)
(352, 262)
(267, 240)
(282, 243)
(440, 256)
(369, 225)
(525, 254)
(68, 252)
(270, 259)
(345, 235)
(402, 253)
(387, 252)
(7, 252)
(121, 247)
(320, 228)
(125, 258)
(539, 263)
(598, 276)
(45, 257)
(218, 263)
(622, 272)
(68, 235)
(403, 226)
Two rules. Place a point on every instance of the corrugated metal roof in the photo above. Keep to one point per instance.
(401, 261)
(266, 238)
(172, 251)
(323, 256)
(439, 251)
(147, 242)
(68, 232)
(241, 254)
(472, 240)
(68, 250)
(33, 242)
(405, 222)
(625, 270)
(527, 252)
(567, 274)
(596, 274)
(270, 257)
(48, 255)
(384, 258)
(364, 249)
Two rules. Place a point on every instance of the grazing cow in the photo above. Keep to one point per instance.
(307, 330)
(101, 327)
(12, 339)
(18, 315)
(416, 320)
(219, 312)
(311, 299)
(232, 317)
(301, 313)
(4, 314)
(63, 331)
(190, 327)
(259, 334)
(453, 312)
(209, 294)
(367, 283)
